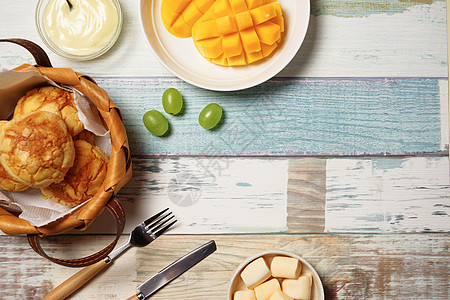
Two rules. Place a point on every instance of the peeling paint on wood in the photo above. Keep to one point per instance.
(331, 195)
(204, 195)
(406, 41)
(388, 195)
(352, 9)
(331, 116)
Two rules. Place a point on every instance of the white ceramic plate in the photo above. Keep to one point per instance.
(182, 58)
(236, 283)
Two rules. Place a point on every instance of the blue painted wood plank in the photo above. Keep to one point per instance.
(289, 117)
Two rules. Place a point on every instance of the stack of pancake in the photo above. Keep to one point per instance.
(45, 146)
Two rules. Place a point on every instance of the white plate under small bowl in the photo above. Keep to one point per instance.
(182, 58)
(236, 283)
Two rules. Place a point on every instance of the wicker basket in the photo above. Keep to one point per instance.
(119, 166)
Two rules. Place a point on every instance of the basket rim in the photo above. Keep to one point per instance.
(119, 169)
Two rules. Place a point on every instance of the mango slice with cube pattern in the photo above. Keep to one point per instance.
(179, 16)
(239, 32)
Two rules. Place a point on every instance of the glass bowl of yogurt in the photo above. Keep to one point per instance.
(81, 30)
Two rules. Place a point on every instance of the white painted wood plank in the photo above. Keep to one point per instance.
(388, 195)
(411, 42)
(207, 195)
(408, 43)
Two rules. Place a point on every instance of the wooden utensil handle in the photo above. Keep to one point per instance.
(75, 282)
(134, 297)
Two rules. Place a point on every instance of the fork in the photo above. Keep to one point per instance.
(142, 235)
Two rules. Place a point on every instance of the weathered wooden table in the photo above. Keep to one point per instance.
(342, 158)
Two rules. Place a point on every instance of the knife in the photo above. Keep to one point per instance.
(173, 270)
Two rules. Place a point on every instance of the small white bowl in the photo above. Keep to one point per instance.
(39, 19)
(236, 283)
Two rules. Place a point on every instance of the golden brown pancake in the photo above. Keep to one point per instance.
(36, 149)
(51, 99)
(7, 183)
(83, 180)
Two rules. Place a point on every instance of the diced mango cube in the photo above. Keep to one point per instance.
(208, 29)
(168, 15)
(213, 47)
(250, 40)
(244, 20)
(221, 8)
(180, 28)
(221, 60)
(279, 20)
(268, 49)
(178, 6)
(226, 25)
(238, 6)
(232, 45)
(254, 56)
(210, 48)
(254, 3)
(179, 16)
(268, 32)
(263, 13)
(238, 60)
(204, 5)
(191, 14)
(276, 5)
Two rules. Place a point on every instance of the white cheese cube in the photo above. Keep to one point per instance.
(255, 272)
(265, 290)
(244, 295)
(285, 267)
(298, 288)
(279, 295)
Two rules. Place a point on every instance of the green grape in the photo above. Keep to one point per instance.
(210, 116)
(172, 101)
(155, 122)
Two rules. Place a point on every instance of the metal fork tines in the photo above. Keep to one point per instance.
(146, 232)
(153, 224)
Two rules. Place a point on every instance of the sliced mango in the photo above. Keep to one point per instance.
(239, 32)
(179, 16)
(268, 33)
(232, 45)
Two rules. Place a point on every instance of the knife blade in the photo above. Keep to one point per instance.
(172, 271)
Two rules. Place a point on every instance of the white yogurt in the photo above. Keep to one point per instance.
(83, 30)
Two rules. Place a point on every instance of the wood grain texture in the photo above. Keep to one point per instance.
(388, 195)
(289, 117)
(365, 8)
(358, 266)
(295, 195)
(306, 195)
(345, 38)
(445, 129)
(207, 195)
